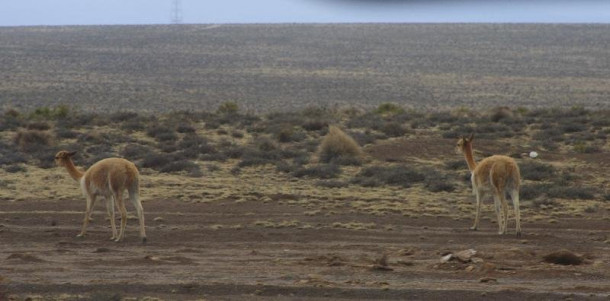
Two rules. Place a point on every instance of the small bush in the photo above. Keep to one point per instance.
(393, 129)
(15, 168)
(64, 133)
(189, 167)
(39, 126)
(315, 125)
(389, 109)
(336, 145)
(123, 116)
(253, 157)
(393, 175)
(536, 171)
(50, 113)
(228, 107)
(162, 133)
(570, 192)
(501, 113)
(8, 157)
(133, 151)
(29, 141)
(156, 161)
(196, 144)
(185, 128)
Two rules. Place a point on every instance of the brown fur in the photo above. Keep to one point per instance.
(108, 178)
(494, 175)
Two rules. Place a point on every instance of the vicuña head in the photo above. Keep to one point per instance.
(108, 178)
(495, 175)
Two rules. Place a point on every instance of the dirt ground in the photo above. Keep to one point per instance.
(263, 236)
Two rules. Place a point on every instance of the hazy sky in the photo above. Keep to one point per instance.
(70, 12)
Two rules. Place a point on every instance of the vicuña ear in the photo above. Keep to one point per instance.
(70, 154)
(471, 137)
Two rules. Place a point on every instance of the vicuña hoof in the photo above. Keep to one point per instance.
(143, 240)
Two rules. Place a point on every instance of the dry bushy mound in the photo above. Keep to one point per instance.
(339, 147)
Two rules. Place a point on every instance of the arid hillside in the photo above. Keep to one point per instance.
(267, 68)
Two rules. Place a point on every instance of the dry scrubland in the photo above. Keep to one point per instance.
(250, 194)
(267, 68)
(274, 207)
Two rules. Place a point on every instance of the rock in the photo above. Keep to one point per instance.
(446, 258)
(465, 255)
(563, 257)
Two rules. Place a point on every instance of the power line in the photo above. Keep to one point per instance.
(176, 13)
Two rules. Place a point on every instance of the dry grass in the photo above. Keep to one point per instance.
(339, 147)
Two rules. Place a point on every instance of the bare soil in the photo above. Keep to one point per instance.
(270, 238)
(186, 257)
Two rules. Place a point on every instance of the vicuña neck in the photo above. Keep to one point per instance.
(469, 157)
(74, 172)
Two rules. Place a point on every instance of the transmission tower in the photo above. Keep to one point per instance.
(176, 16)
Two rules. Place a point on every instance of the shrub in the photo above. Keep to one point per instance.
(32, 140)
(321, 171)
(40, 126)
(185, 128)
(389, 109)
(191, 168)
(15, 168)
(570, 192)
(156, 161)
(10, 157)
(501, 113)
(133, 151)
(123, 116)
(314, 125)
(50, 113)
(393, 175)
(336, 144)
(393, 129)
(64, 133)
(196, 145)
(253, 157)
(536, 171)
(162, 133)
(228, 107)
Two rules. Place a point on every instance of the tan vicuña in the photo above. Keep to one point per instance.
(108, 178)
(494, 175)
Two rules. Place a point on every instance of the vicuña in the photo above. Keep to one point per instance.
(108, 178)
(494, 175)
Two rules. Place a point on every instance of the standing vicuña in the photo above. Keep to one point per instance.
(496, 175)
(108, 178)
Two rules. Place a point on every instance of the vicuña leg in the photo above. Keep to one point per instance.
(110, 210)
(477, 210)
(123, 211)
(90, 203)
(514, 195)
(135, 200)
(504, 212)
(499, 212)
